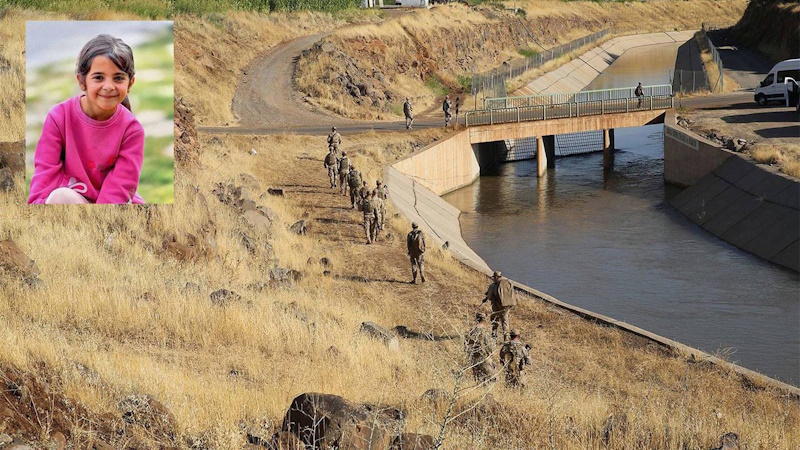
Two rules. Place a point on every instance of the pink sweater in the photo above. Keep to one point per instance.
(101, 159)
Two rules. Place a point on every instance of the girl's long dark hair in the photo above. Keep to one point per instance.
(114, 49)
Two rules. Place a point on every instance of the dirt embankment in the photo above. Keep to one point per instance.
(771, 27)
(366, 72)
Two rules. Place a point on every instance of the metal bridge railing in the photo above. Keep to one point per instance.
(567, 110)
(574, 97)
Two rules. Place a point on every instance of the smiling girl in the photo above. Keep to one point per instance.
(92, 146)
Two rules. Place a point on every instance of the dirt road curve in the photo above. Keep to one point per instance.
(266, 97)
(744, 66)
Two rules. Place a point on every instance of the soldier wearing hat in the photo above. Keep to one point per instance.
(408, 111)
(377, 205)
(334, 140)
(479, 346)
(447, 106)
(415, 241)
(330, 164)
(514, 357)
(344, 169)
(500, 295)
(354, 182)
(382, 196)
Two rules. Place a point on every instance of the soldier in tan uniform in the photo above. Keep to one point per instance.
(382, 195)
(354, 182)
(415, 242)
(368, 207)
(334, 140)
(379, 211)
(514, 357)
(365, 191)
(501, 296)
(479, 346)
(344, 169)
(330, 164)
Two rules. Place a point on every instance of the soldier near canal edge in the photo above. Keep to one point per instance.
(330, 164)
(447, 106)
(479, 346)
(344, 169)
(415, 242)
(354, 181)
(501, 296)
(408, 111)
(514, 357)
(368, 208)
(334, 140)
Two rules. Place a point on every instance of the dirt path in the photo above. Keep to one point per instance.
(266, 96)
(744, 66)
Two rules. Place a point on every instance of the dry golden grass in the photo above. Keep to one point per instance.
(712, 69)
(115, 316)
(786, 156)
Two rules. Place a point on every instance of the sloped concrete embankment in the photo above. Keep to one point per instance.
(575, 75)
(415, 184)
(751, 206)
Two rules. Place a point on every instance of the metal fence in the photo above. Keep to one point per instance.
(689, 81)
(566, 110)
(719, 84)
(493, 82)
(575, 97)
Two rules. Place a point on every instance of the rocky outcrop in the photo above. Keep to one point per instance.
(330, 421)
(12, 164)
(771, 27)
(187, 146)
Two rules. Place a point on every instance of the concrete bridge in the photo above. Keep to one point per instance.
(456, 161)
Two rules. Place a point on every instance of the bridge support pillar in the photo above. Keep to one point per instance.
(550, 150)
(541, 156)
(608, 149)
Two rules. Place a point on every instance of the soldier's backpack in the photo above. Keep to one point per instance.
(344, 165)
(506, 293)
(352, 180)
(511, 359)
(367, 206)
(417, 243)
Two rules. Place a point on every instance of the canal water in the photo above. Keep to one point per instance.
(610, 242)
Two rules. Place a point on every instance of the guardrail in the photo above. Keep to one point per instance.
(567, 110)
(575, 97)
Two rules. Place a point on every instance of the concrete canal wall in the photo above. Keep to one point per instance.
(751, 206)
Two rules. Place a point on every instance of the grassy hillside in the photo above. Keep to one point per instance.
(771, 27)
(126, 309)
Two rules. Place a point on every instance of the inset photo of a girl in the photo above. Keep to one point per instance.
(99, 112)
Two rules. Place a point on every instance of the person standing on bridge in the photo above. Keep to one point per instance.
(408, 111)
(501, 296)
(334, 140)
(447, 106)
(639, 93)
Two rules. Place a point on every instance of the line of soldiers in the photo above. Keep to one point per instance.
(447, 108)
(480, 344)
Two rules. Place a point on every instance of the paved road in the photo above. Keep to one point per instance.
(744, 66)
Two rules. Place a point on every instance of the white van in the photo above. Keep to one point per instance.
(773, 87)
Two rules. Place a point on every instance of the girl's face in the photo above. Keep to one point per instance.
(106, 86)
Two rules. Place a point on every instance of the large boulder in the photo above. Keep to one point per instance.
(324, 421)
(148, 413)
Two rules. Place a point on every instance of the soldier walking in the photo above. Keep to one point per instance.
(368, 208)
(408, 111)
(344, 169)
(330, 164)
(354, 182)
(382, 195)
(479, 346)
(334, 140)
(415, 242)
(501, 296)
(364, 192)
(377, 204)
(514, 357)
(447, 108)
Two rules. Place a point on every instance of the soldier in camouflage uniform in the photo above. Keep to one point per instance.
(479, 346)
(501, 296)
(365, 191)
(368, 207)
(354, 182)
(408, 111)
(379, 211)
(330, 164)
(334, 140)
(382, 194)
(344, 169)
(447, 106)
(415, 242)
(514, 357)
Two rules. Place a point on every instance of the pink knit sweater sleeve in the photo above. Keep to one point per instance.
(47, 161)
(121, 183)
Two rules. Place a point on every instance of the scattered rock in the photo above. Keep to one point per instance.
(187, 148)
(327, 47)
(275, 191)
(412, 441)
(280, 277)
(191, 288)
(59, 439)
(253, 152)
(5, 440)
(326, 262)
(222, 297)
(6, 179)
(148, 413)
(330, 421)
(249, 243)
(382, 334)
(326, 273)
(248, 205)
(15, 261)
(728, 441)
(299, 227)
(257, 220)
